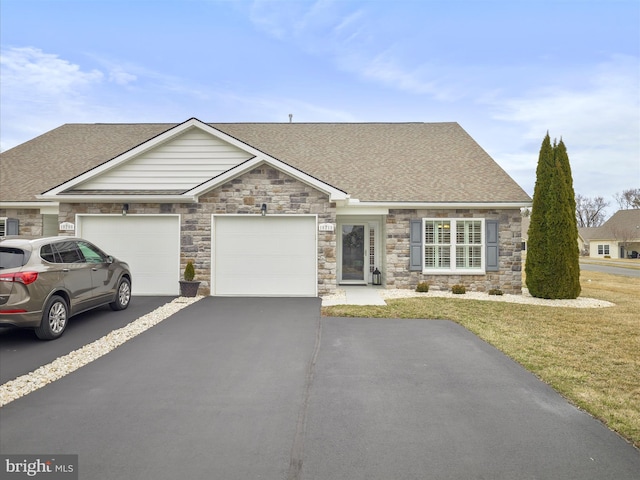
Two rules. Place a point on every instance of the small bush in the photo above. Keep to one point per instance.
(458, 289)
(189, 272)
(422, 287)
(495, 291)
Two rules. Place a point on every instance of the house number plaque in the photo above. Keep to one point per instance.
(326, 227)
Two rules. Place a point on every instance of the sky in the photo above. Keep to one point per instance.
(508, 71)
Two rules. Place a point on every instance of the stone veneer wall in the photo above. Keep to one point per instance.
(243, 195)
(30, 220)
(508, 278)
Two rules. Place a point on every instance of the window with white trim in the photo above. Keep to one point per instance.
(453, 245)
(3, 226)
(603, 249)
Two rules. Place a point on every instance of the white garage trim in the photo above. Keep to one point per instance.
(150, 244)
(265, 256)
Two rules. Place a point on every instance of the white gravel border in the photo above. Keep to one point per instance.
(61, 366)
(340, 298)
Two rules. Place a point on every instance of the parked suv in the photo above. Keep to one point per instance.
(46, 281)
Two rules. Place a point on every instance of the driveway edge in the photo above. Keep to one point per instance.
(61, 366)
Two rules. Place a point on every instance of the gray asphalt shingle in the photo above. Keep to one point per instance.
(379, 162)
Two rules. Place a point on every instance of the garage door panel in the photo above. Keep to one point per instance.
(149, 244)
(265, 256)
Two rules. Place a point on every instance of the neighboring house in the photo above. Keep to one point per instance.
(585, 234)
(619, 237)
(584, 237)
(274, 209)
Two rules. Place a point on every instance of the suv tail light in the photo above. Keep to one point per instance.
(26, 278)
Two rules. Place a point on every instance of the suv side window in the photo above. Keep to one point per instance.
(48, 254)
(68, 253)
(91, 253)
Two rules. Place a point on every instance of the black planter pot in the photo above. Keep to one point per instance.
(188, 289)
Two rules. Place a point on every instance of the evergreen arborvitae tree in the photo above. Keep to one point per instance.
(552, 268)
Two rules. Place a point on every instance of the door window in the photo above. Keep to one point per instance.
(353, 252)
(91, 254)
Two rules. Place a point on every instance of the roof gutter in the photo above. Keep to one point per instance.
(443, 205)
(123, 198)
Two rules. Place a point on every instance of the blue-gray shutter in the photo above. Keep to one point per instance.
(415, 245)
(491, 238)
(12, 226)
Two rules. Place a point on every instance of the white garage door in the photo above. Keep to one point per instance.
(149, 244)
(265, 256)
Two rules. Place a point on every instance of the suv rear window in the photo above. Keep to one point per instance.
(12, 257)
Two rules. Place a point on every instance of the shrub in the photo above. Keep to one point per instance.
(458, 289)
(422, 287)
(552, 269)
(189, 272)
(495, 291)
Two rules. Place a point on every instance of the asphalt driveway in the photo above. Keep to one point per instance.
(266, 388)
(21, 352)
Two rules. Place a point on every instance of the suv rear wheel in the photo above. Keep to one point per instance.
(54, 319)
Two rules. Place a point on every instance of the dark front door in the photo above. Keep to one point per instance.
(353, 253)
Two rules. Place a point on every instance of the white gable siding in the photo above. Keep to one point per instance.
(179, 164)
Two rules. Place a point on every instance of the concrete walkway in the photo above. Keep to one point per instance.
(355, 295)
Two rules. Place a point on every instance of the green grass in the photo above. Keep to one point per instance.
(591, 356)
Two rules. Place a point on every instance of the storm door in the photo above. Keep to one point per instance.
(354, 253)
(358, 251)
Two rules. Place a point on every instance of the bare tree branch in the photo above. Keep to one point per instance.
(628, 199)
(590, 211)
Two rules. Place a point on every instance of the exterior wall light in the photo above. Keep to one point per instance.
(263, 209)
(125, 209)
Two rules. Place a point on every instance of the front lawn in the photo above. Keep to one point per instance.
(591, 356)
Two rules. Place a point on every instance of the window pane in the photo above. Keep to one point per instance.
(445, 257)
(444, 232)
(468, 257)
(429, 233)
(437, 252)
(430, 257)
(91, 255)
(468, 232)
(46, 253)
(12, 257)
(68, 252)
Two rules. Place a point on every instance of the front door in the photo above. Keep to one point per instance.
(353, 253)
(358, 251)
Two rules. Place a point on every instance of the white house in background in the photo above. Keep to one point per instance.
(619, 237)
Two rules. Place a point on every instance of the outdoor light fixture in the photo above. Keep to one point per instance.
(377, 277)
(263, 209)
(125, 209)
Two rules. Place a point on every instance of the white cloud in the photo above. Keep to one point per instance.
(606, 110)
(37, 90)
(120, 77)
(30, 70)
(599, 122)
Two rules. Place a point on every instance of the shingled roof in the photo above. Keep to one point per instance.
(624, 225)
(379, 162)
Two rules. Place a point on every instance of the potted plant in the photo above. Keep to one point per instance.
(189, 287)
